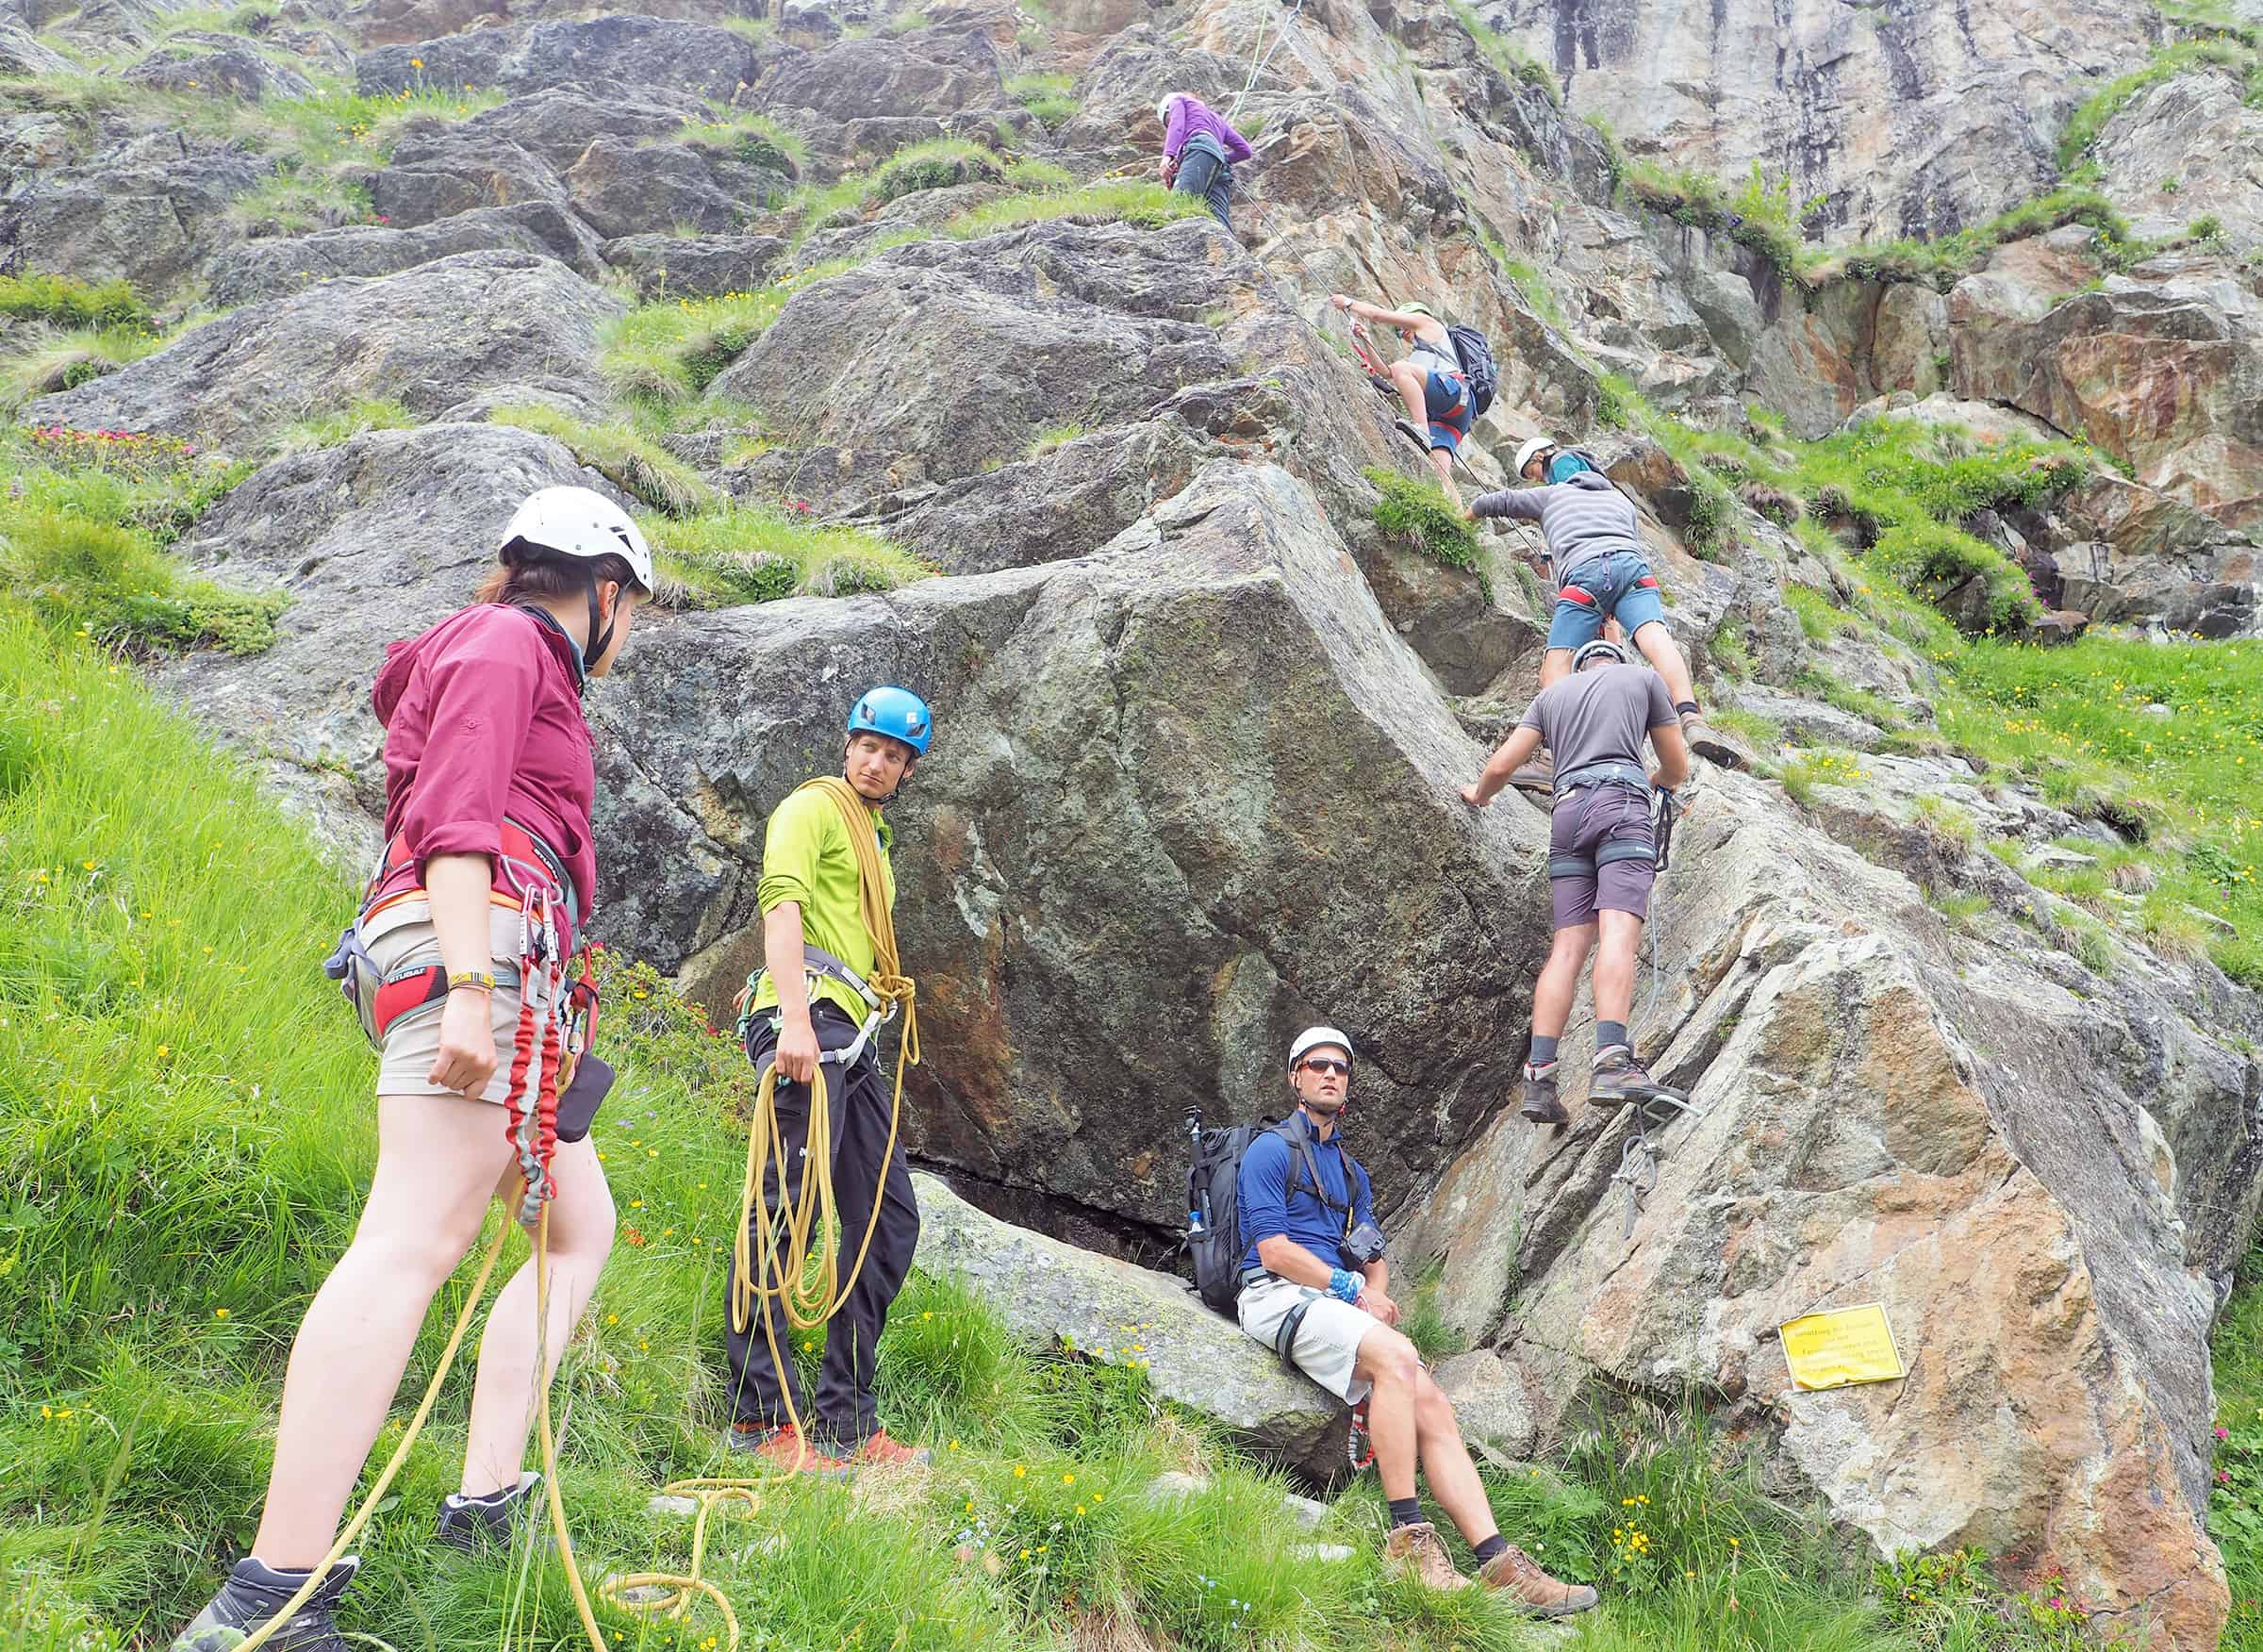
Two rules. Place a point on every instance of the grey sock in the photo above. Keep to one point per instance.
(1608, 1033)
(1544, 1050)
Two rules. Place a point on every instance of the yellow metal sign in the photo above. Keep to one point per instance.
(1843, 1347)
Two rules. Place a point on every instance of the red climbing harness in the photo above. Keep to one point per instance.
(557, 1016)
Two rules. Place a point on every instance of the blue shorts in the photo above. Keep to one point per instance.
(1445, 399)
(1618, 585)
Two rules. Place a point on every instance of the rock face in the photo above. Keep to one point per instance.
(2187, 149)
(1881, 1123)
(430, 338)
(272, 266)
(1174, 693)
(2161, 368)
(1058, 1295)
(1920, 120)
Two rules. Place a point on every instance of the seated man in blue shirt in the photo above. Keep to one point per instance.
(1315, 1289)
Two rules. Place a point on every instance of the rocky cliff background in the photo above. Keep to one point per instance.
(1908, 325)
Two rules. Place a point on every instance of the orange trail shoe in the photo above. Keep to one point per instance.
(1414, 1551)
(782, 1450)
(881, 1451)
(1513, 1574)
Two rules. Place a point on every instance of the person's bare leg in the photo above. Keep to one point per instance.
(1389, 1361)
(1554, 666)
(1445, 1463)
(1658, 646)
(1408, 382)
(502, 1400)
(1622, 938)
(1558, 981)
(1443, 462)
(437, 1157)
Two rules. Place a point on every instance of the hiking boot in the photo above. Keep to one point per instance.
(1512, 1572)
(1414, 1551)
(880, 1451)
(254, 1593)
(476, 1523)
(1618, 1076)
(1711, 744)
(783, 1451)
(1538, 776)
(1541, 1105)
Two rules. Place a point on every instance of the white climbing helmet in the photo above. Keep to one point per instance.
(1312, 1039)
(1524, 456)
(576, 522)
(1162, 109)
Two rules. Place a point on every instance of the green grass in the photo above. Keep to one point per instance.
(673, 349)
(341, 425)
(748, 137)
(1513, 62)
(1049, 97)
(624, 455)
(2181, 57)
(36, 360)
(1421, 515)
(84, 534)
(62, 301)
(2072, 719)
(746, 553)
(1762, 733)
(1145, 204)
(1820, 618)
(2235, 1510)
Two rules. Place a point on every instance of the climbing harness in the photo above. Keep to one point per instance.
(768, 1256)
(1258, 64)
(1359, 1445)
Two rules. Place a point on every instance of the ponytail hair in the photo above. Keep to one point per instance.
(547, 578)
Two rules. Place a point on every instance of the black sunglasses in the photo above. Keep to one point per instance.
(1326, 1063)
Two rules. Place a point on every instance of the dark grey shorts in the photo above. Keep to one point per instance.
(1582, 824)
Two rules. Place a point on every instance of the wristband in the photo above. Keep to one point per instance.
(482, 979)
(1343, 1285)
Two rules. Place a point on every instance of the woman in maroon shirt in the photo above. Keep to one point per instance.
(488, 787)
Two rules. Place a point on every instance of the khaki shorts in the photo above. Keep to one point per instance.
(402, 934)
(1328, 1339)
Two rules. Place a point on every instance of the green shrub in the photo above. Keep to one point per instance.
(626, 458)
(749, 137)
(1513, 62)
(934, 165)
(1426, 517)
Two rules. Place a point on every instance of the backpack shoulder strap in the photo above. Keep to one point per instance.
(1301, 1158)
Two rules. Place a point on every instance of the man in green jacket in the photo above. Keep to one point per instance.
(812, 1003)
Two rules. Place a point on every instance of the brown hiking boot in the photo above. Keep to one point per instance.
(1537, 777)
(1711, 744)
(1512, 1572)
(880, 1451)
(1416, 1551)
(782, 1450)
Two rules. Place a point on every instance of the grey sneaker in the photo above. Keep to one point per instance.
(1541, 1104)
(1713, 745)
(472, 1524)
(254, 1593)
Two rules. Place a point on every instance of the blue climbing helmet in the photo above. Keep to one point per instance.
(897, 712)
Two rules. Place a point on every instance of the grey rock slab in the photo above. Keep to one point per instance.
(428, 337)
(1055, 1294)
(271, 266)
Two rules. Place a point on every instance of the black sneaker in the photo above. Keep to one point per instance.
(1618, 1078)
(1541, 1105)
(474, 1524)
(254, 1593)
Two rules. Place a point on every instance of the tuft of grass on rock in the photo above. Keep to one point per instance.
(619, 452)
(1423, 516)
(748, 553)
(1143, 203)
(65, 302)
(338, 425)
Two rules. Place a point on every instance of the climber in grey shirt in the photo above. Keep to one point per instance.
(1601, 859)
(1594, 547)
